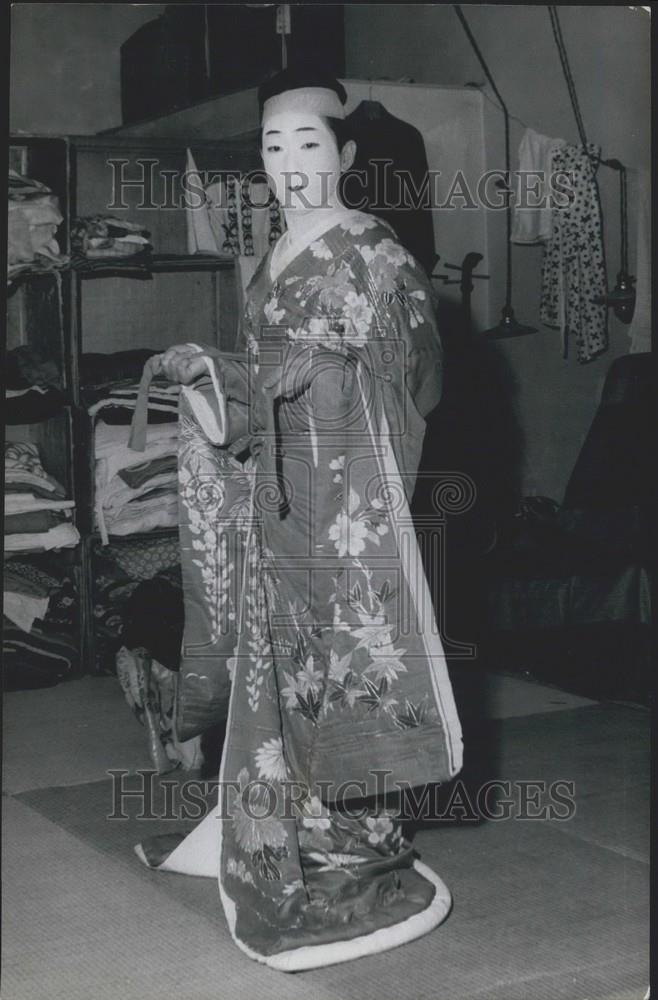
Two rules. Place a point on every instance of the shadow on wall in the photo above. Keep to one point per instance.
(474, 431)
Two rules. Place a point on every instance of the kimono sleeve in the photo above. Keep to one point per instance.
(404, 305)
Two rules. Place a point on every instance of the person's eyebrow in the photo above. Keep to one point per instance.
(302, 128)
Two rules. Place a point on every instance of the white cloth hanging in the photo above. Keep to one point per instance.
(532, 219)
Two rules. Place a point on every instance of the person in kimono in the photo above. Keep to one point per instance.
(319, 619)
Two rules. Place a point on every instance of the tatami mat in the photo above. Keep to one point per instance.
(73, 732)
(543, 910)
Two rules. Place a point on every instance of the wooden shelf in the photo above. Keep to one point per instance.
(98, 267)
(65, 403)
(63, 317)
(136, 536)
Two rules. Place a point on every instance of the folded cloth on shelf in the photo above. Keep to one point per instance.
(143, 558)
(111, 446)
(33, 220)
(162, 402)
(24, 472)
(104, 369)
(26, 367)
(107, 236)
(137, 475)
(121, 415)
(28, 406)
(63, 536)
(137, 518)
(22, 503)
(31, 575)
(118, 494)
(121, 509)
(112, 588)
(33, 521)
(40, 658)
(43, 576)
(22, 609)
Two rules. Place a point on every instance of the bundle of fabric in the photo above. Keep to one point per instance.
(106, 236)
(37, 513)
(33, 219)
(39, 640)
(99, 370)
(135, 491)
(116, 402)
(33, 386)
(150, 690)
(119, 570)
(147, 665)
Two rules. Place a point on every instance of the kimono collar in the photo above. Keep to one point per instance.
(288, 246)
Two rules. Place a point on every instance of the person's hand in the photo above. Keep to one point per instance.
(182, 363)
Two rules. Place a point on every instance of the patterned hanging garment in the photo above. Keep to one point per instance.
(573, 271)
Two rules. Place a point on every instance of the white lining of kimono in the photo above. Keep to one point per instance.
(215, 429)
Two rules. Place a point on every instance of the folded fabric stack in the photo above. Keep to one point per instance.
(135, 491)
(37, 513)
(116, 402)
(32, 387)
(97, 371)
(95, 236)
(33, 219)
(39, 634)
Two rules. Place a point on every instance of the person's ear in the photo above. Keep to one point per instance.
(347, 154)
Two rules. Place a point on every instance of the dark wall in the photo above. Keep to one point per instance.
(609, 53)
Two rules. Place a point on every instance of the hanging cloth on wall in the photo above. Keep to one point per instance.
(234, 218)
(388, 148)
(533, 222)
(573, 270)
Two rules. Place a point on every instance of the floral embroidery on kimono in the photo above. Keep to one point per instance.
(338, 673)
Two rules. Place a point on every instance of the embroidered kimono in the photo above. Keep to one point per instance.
(302, 570)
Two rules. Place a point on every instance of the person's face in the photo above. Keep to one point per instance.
(301, 157)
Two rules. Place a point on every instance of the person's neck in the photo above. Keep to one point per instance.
(300, 221)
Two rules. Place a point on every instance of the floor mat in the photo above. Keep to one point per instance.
(543, 910)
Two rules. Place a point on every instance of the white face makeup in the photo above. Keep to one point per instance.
(301, 157)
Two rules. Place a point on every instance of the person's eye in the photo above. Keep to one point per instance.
(272, 149)
(310, 145)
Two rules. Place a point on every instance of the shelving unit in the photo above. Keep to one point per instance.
(105, 305)
(39, 317)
